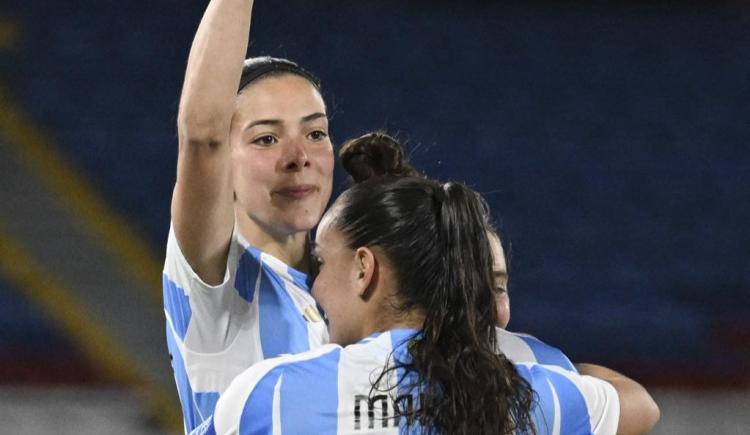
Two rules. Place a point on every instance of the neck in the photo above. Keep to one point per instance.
(382, 322)
(291, 248)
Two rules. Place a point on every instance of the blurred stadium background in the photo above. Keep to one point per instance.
(610, 140)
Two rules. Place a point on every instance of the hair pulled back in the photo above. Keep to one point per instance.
(374, 155)
(256, 68)
(435, 237)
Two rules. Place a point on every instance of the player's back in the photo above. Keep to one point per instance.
(330, 391)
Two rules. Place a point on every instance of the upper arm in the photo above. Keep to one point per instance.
(202, 203)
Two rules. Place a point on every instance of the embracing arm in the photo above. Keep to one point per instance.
(202, 201)
(638, 411)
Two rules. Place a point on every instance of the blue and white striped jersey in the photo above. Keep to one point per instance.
(524, 348)
(329, 391)
(262, 309)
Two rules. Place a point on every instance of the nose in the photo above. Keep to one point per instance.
(295, 156)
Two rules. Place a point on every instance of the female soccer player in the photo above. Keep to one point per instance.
(254, 174)
(405, 281)
(377, 154)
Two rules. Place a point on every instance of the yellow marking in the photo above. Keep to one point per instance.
(79, 197)
(311, 314)
(90, 334)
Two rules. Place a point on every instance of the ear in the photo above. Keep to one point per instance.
(364, 270)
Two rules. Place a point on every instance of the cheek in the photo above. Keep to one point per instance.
(321, 291)
(503, 310)
(324, 160)
(252, 168)
(329, 290)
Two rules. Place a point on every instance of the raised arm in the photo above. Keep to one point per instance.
(638, 411)
(202, 201)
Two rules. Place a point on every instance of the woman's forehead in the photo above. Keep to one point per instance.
(498, 254)
(286, 91)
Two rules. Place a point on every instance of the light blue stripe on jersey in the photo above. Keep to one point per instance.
(182, 381)
(407, 383)
(546, 354)
(544, 406)
(177, 304)
(300, 279)
(282, 329)
(206, 403)
(555, 390)
(206, 428)
(309, 395)
(574, 416)
(248, 269)
(308, 398)
(257, 415)
(196, 406)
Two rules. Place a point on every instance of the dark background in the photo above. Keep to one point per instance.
(610, 141)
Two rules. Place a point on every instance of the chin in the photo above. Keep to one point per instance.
(301, 221)
(302, 225)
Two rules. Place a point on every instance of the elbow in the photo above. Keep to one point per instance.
(641, 415)
(197, 133)
(652, 414)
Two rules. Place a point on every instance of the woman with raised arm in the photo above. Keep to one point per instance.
(254, 174)
(405, 279)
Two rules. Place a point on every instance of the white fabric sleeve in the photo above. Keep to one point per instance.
(212, 325)
(601, 398)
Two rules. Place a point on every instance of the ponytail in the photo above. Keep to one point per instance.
(435, 236)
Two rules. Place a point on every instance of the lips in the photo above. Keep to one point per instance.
(296, 192)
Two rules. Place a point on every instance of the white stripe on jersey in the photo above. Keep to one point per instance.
(556, 419)
(277, 407)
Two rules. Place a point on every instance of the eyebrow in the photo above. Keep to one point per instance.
(263, 122)
(314, 116)
(499, 274)
(275, 122)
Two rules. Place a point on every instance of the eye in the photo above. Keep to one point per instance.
(265, 140)
(317, 135)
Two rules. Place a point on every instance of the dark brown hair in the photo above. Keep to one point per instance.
(374, 155)
(435, 236)
(256, 68)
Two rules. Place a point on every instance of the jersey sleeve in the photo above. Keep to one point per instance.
(601, 399)
(202, 324)
(191, 305)
(524, 348)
